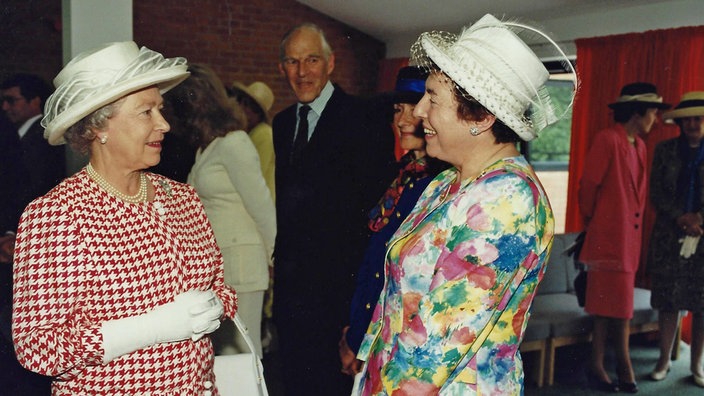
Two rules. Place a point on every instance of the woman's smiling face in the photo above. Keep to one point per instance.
(445, 133)
(136, 130)
(407, 126)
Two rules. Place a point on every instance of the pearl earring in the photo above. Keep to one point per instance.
(474, 131)
(103, 139)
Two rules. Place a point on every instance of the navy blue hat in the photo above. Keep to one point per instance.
(410, 85)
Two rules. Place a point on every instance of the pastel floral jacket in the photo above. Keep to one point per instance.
(461, 273)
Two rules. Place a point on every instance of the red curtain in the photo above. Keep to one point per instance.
(672, 59)
(386, 82)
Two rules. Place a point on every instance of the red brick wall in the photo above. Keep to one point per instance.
(30, 37)
(239, 39)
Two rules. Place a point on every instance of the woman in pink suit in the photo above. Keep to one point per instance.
(612, 197)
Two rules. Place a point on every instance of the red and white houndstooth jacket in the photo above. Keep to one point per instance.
(84, 257)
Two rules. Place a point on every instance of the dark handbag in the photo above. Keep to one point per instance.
(580, 281)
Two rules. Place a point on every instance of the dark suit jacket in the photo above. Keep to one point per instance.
(17, 175)
(36, 167)
(321, 206)
(9, 175)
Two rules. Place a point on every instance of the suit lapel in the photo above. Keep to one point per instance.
(288, 132)
(634, 173)
(203, 154)
(326, 125)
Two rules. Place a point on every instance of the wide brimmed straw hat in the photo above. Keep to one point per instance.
(494, 66)
(410, 85)
(101, 76)
(641, 94)
(259, 92)
(691, 105)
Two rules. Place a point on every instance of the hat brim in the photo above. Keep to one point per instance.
(245, 90)
(406, 97)
(695, 111)
(164, 79)
(657, 105)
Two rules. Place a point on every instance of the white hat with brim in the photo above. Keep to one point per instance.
(494, 66)
(259, 92)
(101, 76)
(691, 105)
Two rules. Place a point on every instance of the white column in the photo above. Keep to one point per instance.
(88, 24)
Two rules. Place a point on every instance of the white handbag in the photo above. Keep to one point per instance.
(241, 374)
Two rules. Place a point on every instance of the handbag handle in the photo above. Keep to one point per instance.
(257, 366)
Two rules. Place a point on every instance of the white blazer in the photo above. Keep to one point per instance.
(228, 178)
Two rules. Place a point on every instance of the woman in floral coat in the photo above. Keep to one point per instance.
(462, 270)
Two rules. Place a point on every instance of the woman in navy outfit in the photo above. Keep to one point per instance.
(416, 170)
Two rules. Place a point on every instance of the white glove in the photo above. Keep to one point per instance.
(192, 314)
(689, 246)
(205, 314)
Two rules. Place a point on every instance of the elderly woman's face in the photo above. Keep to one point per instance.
(136, 130)
(445, 133)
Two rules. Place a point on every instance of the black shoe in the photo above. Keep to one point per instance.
(598, 384)
(628, 387)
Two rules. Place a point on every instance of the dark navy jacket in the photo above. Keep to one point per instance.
(370, 278)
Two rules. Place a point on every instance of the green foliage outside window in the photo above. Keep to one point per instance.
(553, 142)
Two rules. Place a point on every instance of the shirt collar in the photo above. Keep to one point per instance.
(318, 105)
(25, 127)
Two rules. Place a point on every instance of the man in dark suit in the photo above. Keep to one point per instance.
(332, 164)
(41, 166)
(29, 167)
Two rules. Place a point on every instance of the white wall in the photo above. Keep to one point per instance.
(88, 24)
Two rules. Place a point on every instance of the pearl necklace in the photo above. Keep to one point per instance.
(141, 195)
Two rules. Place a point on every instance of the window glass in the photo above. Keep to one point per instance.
(550, 152)
(552, 147)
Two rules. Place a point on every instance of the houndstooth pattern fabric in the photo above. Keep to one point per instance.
(83, 257)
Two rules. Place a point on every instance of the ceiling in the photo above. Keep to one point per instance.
(394, 21)
(385, 19)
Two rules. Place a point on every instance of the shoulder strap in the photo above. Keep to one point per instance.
(257, 366)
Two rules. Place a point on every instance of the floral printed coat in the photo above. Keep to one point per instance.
(461, 273)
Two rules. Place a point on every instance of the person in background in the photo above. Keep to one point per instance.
(229, 182)
(332, 164)
(37, 166)
(118, 278)
(15, 379)
(462, 269)
(675, 253)
(256, 100)
(10, 208)
(612, 195)
(30, 167)
(415, 170)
